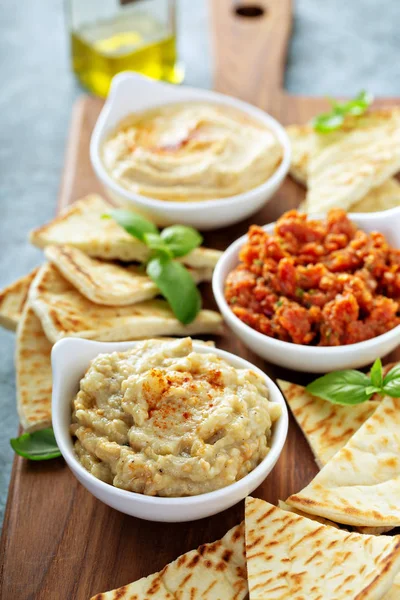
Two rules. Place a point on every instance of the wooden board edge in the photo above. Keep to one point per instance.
(71, 153)
(6, 527)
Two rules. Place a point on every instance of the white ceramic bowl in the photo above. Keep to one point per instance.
(70, 360)
(298, 357)
(132, 93)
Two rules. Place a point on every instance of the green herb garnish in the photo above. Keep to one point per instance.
(354, 387)
(171, 277)
(330, 121)
(39, 445)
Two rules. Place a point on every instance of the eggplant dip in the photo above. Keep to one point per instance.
(162, 419)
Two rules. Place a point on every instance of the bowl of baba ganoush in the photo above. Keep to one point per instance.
(186, 155)
(165, 430)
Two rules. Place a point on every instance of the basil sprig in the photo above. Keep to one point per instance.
(353, 387)
(330, 121)
(171, 277)
(39, 445)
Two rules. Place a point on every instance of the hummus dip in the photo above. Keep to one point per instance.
(163, 420)
(192, 151)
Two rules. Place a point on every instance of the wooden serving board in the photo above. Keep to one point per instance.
(58, 541)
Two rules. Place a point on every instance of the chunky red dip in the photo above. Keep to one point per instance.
(320, 283)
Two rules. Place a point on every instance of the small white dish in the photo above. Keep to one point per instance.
(298, 357)
(132, 93)
(70, 359)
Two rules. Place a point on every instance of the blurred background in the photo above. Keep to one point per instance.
(337, 48)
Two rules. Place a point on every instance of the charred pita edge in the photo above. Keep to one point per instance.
(13, 298)
(215, 558)
(33, 373)
(366, 501)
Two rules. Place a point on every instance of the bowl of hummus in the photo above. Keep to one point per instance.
(165, 430)
(185, 155)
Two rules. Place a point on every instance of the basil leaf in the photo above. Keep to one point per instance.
(341, 387)
(372, 389)
(39, 445)
(177, 286)
(136, 225)
(359, 105)
(181, 239)
(375, 374)
(154, 242)
(391, 383)
(330, 121)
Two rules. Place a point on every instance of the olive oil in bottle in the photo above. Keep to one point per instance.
(113, 36)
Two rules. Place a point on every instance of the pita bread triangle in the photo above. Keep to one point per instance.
(33, 368)
(290, 556)
(63, 312)
(344, 172)
(285, 506)
(383, 197)
(394, 592)
(82, 227)
(12, 300)
(306, 143)
(327, 427)
(360, 485)
(214, 571)
(108, 283)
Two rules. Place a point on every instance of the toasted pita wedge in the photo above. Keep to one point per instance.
(306, 143)
(394, 592)
(283, 506)
(289, 556)
(12, 300)
(383, 197)
(344, 172)
(360, 485)
(108, 283)
(33, 368)
(214, 571)
(327, 427)
(64, 312)
(367, 530)
(82, 227)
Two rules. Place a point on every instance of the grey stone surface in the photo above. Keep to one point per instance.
(338, 48)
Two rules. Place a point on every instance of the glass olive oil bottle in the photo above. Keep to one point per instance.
(110, 36)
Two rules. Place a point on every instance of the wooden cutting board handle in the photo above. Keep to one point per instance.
(250, 51)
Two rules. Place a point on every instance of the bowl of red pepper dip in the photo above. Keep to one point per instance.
(329, 285)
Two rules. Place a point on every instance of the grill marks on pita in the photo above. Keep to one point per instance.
(108, 283)
(289, 556)
(216, 570)
(360, 485)
(64, 312)
(33, 368)
(13, 299)
(82, 226)
(327, 427)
